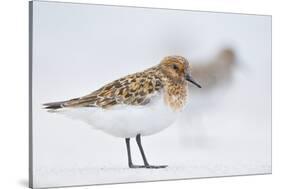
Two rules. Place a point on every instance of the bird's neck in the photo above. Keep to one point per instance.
(175, 95)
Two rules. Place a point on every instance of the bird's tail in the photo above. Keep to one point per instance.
(54, 105)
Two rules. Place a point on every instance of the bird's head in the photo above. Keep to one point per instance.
(177, 69)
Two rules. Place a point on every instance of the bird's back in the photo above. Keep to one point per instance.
(135, 89)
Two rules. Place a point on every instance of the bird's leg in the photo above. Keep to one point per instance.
(130, 163)
(146, 164)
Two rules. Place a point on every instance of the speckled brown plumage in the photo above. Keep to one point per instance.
(139, 88)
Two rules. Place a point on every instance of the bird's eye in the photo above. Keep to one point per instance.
(175, 67)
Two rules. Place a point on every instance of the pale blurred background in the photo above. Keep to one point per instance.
(226, 128)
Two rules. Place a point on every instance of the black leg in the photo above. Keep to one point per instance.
(146, 164)
(138, 139)
(130, 163)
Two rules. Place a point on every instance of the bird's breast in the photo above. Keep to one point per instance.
(176, 97)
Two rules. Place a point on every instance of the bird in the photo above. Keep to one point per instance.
(216, 74)
(134, 106)
(217, 71)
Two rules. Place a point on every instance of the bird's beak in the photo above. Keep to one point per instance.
(191, 80)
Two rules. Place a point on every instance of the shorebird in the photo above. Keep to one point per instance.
(216, 71)
(140, 104)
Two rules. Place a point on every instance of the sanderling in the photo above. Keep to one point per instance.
(136, 105)
(216, 71)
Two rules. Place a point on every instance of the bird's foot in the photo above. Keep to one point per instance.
(136, 166)
(155, 166)
(148, 166)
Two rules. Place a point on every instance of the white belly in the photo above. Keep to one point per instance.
(127, 121)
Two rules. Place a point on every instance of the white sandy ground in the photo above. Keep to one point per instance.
(116, 174)
(86, 161)
(223, 132)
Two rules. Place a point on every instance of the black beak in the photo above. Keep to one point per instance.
(191, 80)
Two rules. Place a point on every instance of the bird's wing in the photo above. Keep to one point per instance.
(135, 89)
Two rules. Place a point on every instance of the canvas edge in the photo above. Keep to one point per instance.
(30, 60)
(271, 121)
(152, 181)
(145, 7)
(30, 52)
